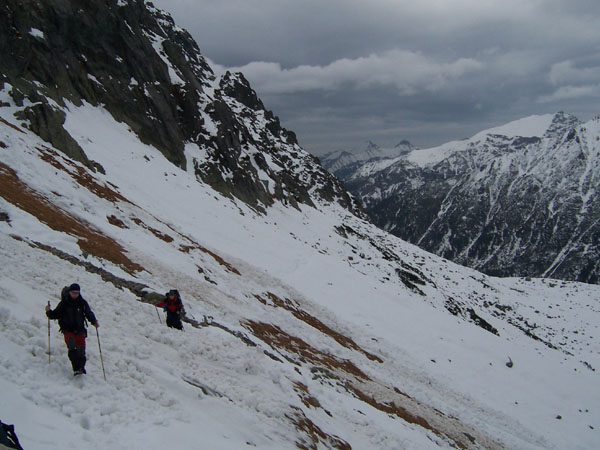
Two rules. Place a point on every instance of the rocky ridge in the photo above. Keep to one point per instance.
(504, 204)
(132, 59)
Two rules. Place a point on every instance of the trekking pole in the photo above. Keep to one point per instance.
(158, 314)
(100, 349)
(48, 336)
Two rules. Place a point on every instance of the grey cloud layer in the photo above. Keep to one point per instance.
(343, 71)
(408, 72)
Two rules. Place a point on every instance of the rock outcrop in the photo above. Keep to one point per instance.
(132, 60)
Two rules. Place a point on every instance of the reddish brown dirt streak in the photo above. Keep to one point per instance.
(302, 315)
(314, 433)
(154, 231)
(278, 338)
(81, 175)
(14, 127)
(217, 258)
(93, 241)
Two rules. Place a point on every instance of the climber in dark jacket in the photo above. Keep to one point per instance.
(72, 312)
(173, 306)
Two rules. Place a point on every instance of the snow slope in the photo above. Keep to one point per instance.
(306, 328)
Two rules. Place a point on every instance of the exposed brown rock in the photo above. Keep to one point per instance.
(89, 239)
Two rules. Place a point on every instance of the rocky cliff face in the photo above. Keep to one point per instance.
(505, 204)
(131, 59)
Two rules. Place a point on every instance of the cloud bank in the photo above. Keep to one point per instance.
(407, 72)
(341, 72)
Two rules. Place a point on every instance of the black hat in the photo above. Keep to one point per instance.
(74, 287)
(172, 292)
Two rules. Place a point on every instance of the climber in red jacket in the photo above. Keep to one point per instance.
(174, 308)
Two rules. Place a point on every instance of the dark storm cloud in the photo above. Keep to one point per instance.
(343, 71)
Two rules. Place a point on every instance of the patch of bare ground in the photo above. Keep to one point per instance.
(80, 175)
(279, 339)
(90, 240)
(306, 398)
(14, 127)
(393, 409)
(114, 220)
(390, 401)
(104, 191)
(314, 436)
(397, 404)
(293, 307)
(217, 258)
(154, 231)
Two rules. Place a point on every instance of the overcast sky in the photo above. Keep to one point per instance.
(341, 72)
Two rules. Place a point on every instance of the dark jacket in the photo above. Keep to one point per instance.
(71, 314)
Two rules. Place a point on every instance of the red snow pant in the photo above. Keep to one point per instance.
(76, 346)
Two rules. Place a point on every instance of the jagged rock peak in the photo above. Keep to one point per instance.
(372, 146)
(403, 143)
(235, 85)
(404, 147)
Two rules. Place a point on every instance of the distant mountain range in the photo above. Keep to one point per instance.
(517, 200)
(338, 160)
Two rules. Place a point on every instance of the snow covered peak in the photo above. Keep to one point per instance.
(371, 147)
(534, 126)
(531, 126)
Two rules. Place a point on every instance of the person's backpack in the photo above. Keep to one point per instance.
(179, 303)
(64, 293)
(178, 297)
(8, 437)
